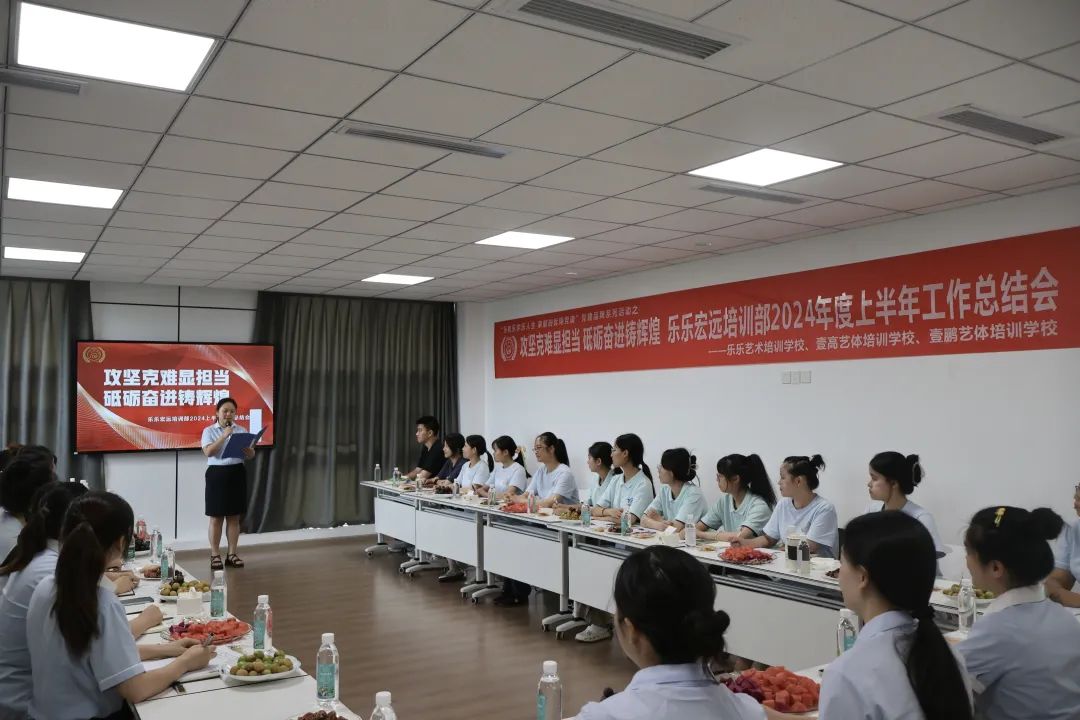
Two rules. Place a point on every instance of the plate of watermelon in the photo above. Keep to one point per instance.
(223, 631)
(778, 688)
(517, 508)
(745, 556)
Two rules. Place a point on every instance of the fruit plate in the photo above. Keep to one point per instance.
(227, 676)
(239, 629)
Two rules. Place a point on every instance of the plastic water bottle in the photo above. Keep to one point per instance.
(217, 594)
(965, 605)
(396, 477)
(155, 545)
(624, 522)
(846, 631)
(549, 693)
(264, 625)
(129, 551)
(378, 472)
(691, 535)
(326, 673)
(168, 563)
(383, 709)
(586, 515)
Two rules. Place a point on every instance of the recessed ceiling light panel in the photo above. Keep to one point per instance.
(529, 241)
(765, 167)
(62, 193)
(391, 279)
(21, 253)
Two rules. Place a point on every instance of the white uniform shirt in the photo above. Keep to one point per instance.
(597, 486)
(674, 691)
(817, 520)
(1023, 656)
(1067, 551)
(212, 433)
(10, 527)
(688, 508)
(559, 481)
(502, 478)
(16, 686)
(919, 513)
(634, 494)
(475, 475)
(67, 688)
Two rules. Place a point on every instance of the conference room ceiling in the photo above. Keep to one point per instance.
(243, 183)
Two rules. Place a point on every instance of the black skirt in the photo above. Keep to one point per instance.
(226, 490)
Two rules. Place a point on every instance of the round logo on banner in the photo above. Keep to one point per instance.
(508, 348)
(93, 354)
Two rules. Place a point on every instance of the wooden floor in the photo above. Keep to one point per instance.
(439, 656)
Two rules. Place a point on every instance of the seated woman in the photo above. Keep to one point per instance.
(632, 490)
(746, 501)
(666, 625)
(1059, 586)
(509, 478)
(453, 445)
(801, 508)
(680, 502)
(478, 464)
(553, 482)
(1023, 653)
(84, 660)
(893, 477)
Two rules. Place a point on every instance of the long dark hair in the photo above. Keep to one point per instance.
(601, 451)
(807, 467)
(751, 473)
(479, 444)
(668, 596)
(1016, 538)
(632, 444)
(43, 523)
(898, 554)
(456, 441)
(507, 445)
(681, 463)
(551, 440)
(20, 480)
(93, 523)
(905, 471)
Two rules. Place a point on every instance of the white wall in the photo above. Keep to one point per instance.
(991, 428)
(166, 488)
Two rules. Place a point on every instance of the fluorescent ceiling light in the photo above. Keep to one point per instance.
(530, 241)
(764, 167)
(391, 279)
(21, 253)
(62, 193)
(92, 46)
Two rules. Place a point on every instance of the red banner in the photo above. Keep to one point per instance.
(160, 396)
(1018, 293)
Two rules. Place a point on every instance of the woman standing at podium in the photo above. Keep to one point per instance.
(226, 484)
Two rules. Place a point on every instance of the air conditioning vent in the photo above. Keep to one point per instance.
(40, 81)
(623, 24)
(971, 118)
(411, 137)
(755, 194)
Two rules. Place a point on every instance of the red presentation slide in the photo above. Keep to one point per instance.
(159, 396)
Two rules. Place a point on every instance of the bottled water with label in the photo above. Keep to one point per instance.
(263, 627)
(965, 605)
(586, 515)
(378, 472)
(217, 595)
(155, 546)
(383, 709)
(846, 631)
(691, 535)
(326, 673)
(549, 693)
(168, 563)
(396, 477)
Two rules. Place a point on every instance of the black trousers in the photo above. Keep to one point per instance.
(516, 589)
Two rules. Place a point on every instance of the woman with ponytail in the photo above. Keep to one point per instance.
(800, 508)
(472, 477)
(631, 492)
(509, 477)
(746, 501)
(666, 625)
(84, 660)
(901, 666)
(1059, 586)
(894, 476)
(553, 483)
(1023, 654)
(680, 502)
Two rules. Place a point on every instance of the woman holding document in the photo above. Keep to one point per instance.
(226, 484)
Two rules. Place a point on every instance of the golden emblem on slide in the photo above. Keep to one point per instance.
(93, 354)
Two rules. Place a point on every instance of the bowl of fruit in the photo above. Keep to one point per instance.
(178, 584)
(261, 666)
(982, 597)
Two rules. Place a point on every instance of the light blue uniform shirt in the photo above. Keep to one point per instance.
(635, 494)
(817, 521)
(919, 513)
(674, 691)
(67, 688)
(1067, 551)
(10, 527)
(212, 433)
(753, 514)
(16, 686)
(597, 486)
(559, 481)
(502, 478)
(687, 508)
(1023, 656)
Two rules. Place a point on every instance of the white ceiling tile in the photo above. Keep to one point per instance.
(764, 229)
(414, 245)
(568, 226)
(101, 103)
(208, 17)
(609, 264)
(264, 76)
(142, 237)
(450, 262)
(175, 205)
(96, 258)
(548, 258)
(518, 165)
(1015, 29)
(305, 196)
(652, 89)
(565, 130)
(179, 182)
(622, 211)
(482, 275)
(673, 151)
(598, 177)
(438, 107)
(204, 156)
(539, 200)
(293, 262)
(235, 122)
(785, 36)
(367, 225)
(843, 182)
(103, 273)
(448, 233)
(863, 137)
(51, 229)
(682, 190)
(977, 200)
(49, 212)
(767, 114)
(383, 33)
(46, 243)
(904, 63)
(1065, 61)
(381, 256)
(309, 284)
(696, 221)
(236, 244)
(424, 269)
(477, 252)
(341, 174)
(682, 9)
(907, 10)
(592, 247)
(448, 188)
(755, 207)
(252, 231)
(198, 269)
(502, 55)
(703, 243)
(79, 140)
(1015, 173)
(312, 251)
(234, 283)
(404, 208)
(876, 221)
(510, 268)
(146, 221)
(1049, 184)
(832, 213)
(639, 235)
(490, 219)
(655, 254)
(274, 215)
(1066, 119)
(959, 152)
(56, 168)
(371, 150)
(916, 195)
(153, 251)
(31, 268)
(338, 239)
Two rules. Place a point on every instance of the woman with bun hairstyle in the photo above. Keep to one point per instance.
(632, 490)
(1059, 586)
(1023, 654)
(801, 508)
(666, 625)
(894, 476)
(746, 502)
(680, 502)
(553, 483)
(509, 477)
